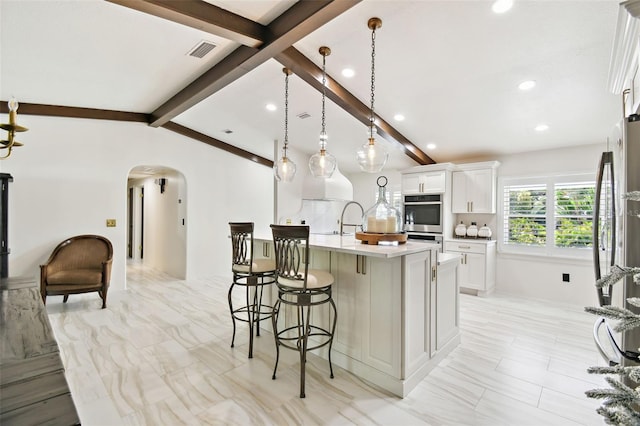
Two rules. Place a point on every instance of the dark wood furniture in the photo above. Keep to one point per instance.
(5, 178)
(33, 388)
(80, 264)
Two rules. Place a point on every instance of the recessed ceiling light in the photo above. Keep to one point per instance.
(527, 85)
(348, 72)
(398, 117)
(271, 107)
(541, 127)
(431, 146)
(501, 6)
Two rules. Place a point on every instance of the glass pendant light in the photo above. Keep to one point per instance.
(285, 169)
(372, 157)
(322, 164)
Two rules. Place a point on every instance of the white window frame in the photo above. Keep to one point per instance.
(549, 249)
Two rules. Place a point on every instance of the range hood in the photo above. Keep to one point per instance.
(337, 187)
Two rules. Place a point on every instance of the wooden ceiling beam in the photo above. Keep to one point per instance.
(190, 133)
(76, 112)
(299, 20)
(106, 114)
(203, 16)
(304, 68)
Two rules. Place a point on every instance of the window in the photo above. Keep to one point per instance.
(548, 215)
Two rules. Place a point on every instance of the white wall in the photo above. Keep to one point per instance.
(541, 277)
(71, 176)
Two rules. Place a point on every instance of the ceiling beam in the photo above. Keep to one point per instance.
(203, 16)
(299, 20)
(76, 112)
(304, 68)
(106, 114)
(190, 133)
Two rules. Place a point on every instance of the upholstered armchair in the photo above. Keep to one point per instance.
(80, 264)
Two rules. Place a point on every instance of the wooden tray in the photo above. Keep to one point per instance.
(374, 239)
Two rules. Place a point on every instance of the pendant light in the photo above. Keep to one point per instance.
(322, 164)
(372, 157)
(285, 169)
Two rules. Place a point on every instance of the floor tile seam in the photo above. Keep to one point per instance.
(545, 385)
(561, 414)
(488, 386)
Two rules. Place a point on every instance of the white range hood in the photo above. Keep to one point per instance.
(337, 187)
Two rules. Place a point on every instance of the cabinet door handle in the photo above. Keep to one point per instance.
(364, 265)
(465, 258)
(471, 207)
(357, 263)
(433, 274)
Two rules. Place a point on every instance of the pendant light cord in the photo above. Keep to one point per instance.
(286, 111)
(323, 134)
(373, 78)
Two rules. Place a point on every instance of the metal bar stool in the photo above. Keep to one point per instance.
(301, 288)
(253, 275)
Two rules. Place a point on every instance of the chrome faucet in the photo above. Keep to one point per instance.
(342, 224)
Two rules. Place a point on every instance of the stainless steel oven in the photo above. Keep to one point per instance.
(423, 213)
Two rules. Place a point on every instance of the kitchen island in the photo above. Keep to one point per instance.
(397, 307)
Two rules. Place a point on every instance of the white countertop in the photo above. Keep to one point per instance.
(444, 258)
(349, 244)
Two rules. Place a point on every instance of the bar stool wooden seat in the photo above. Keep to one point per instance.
(302, 289)
(252, 274)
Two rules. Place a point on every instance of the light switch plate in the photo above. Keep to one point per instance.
(111, 223)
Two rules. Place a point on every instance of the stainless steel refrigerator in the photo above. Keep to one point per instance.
(617, 238)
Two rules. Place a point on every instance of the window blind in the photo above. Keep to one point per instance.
(573, 207)
(525, 214)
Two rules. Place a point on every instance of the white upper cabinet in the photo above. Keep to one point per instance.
(474, 188)
(429, 179)
(424, 183)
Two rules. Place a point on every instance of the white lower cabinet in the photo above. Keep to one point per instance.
(369, 304)
(445, 305)
(477, 270)
(417, 311)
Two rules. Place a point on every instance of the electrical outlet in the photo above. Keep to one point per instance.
(565, 278)
(111, 223)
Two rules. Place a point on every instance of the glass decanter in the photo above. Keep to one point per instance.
(382, 217)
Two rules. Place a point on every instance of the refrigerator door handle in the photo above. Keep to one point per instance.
(604, 297)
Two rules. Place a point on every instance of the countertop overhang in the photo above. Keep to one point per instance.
(349, 244)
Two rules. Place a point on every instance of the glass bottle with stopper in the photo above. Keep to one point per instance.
(382, 217)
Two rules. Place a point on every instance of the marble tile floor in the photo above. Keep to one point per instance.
(160, 355)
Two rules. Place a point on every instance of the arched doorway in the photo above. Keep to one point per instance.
(156, 219)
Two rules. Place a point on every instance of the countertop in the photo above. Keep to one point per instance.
(349, 244)
(445, 258)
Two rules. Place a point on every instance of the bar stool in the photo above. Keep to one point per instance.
(301, 288)
(253, 275)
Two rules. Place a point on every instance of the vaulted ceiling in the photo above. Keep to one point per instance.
(450, 67)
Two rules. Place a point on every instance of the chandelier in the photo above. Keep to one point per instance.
(11, 128)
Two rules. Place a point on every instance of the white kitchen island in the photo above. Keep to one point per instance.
(397, 305)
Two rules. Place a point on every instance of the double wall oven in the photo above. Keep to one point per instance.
(423, 217)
